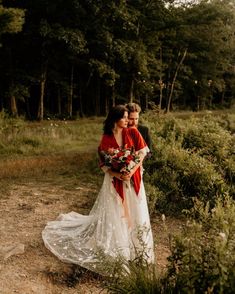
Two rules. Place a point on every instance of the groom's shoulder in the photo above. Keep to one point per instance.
(143, 128)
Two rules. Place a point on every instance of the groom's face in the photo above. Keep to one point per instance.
(133, 119)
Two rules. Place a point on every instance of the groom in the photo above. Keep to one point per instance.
(133, 115)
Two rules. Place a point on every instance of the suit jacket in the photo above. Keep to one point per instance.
(144, 131)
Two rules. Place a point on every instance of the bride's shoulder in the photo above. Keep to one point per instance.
(105, 141)
(132, 131)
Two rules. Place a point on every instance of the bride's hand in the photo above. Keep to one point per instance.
(115, 174)
(122, 177)
(127, 176)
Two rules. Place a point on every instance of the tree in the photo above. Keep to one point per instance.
(11, 21)
(80, 57)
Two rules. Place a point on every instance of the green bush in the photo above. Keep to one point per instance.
(203, 259)
(182, 175)
(155, 197)
(209, 139)
(191, 158)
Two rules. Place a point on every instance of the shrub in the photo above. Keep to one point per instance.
(209, 139)
(202, 259)
(155, 197)
(191, 158)
(181, 175)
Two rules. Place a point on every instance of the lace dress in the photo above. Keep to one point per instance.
(114, 228)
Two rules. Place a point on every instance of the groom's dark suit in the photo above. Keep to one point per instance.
(146, 135)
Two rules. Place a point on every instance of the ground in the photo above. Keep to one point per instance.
(34, 191)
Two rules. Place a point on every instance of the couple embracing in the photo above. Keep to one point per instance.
(118, 224)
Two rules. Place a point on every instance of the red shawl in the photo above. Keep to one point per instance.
(132, 138)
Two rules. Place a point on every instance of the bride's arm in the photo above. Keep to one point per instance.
(112, 173)
(142, 153)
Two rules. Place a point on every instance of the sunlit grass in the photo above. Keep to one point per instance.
(18, 137)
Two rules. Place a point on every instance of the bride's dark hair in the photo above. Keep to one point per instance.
(114, 115)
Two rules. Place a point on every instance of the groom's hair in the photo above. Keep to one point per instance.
(115, 114)
(133, 107)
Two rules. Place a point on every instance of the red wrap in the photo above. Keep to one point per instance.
(131, 138)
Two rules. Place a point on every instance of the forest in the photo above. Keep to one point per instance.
(76, 58)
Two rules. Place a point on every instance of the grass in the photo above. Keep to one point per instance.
(52, 137)
(20, 138)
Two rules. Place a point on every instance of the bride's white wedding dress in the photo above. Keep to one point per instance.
(113, 229)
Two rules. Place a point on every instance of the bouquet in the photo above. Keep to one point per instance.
(122, 159)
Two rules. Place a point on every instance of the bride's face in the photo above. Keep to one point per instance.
(123, 122)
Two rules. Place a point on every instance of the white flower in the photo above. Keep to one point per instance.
(222, 235)
(163, 217)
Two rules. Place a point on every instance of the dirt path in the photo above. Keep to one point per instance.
(25, 206)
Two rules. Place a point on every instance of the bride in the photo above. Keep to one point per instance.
(118, 225)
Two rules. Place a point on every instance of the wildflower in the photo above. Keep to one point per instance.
(222, 235)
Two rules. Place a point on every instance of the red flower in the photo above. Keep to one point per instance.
(121, 159)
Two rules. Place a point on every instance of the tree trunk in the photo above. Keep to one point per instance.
(40, 115)
(210, 101)
(113, 97)
(1, 104)
(14, 110)
(81, 112)
(59, 101)
(13, 104)
(106, 101)
(198, 103)
(27, 106)
(70, 97)
(161, 84)
(161, 94)
(174, 79)
(97, 96)
(131, 93)
(222, 97)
